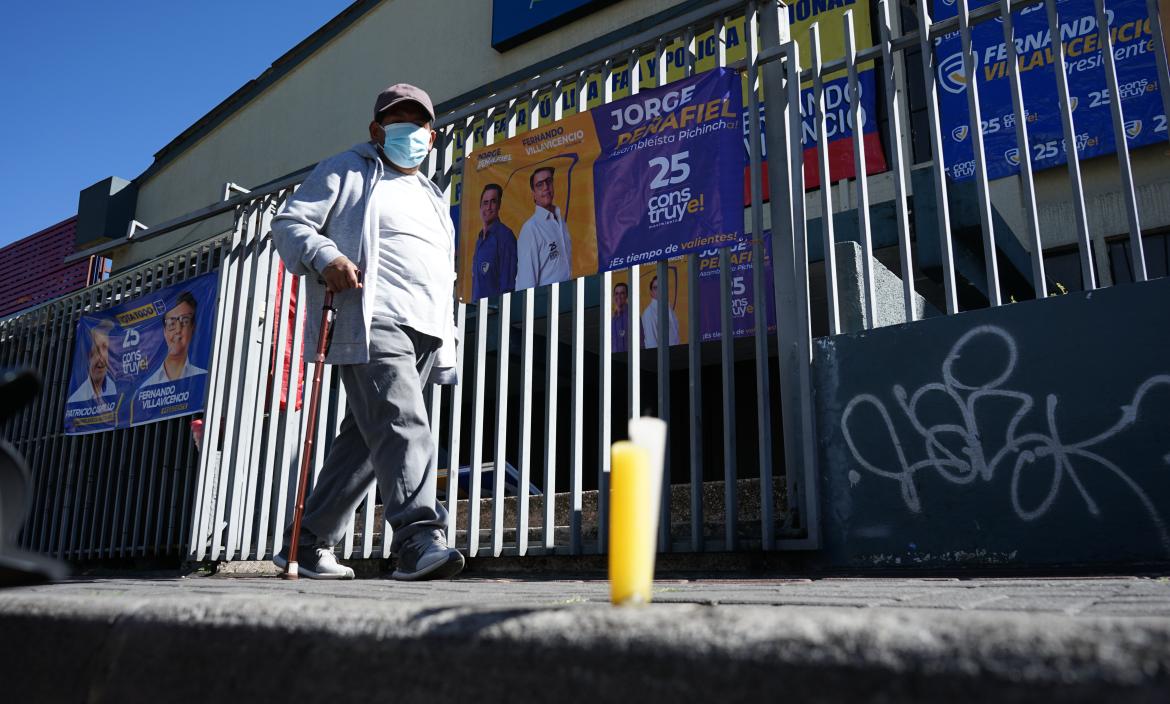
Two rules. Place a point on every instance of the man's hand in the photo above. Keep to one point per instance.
(341, 274)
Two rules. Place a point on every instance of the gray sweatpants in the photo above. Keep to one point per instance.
(385, 435)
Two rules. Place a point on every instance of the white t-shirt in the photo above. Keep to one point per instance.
(85, 391)
(543, 255)
(415, 277)
(650, 325)
(160, 375)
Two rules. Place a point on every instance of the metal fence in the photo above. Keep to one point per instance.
(540, 390)
(118, 494)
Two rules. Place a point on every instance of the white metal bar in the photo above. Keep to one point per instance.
(503, 362)
(605, 409)
(456, 426)
(730, 426)
(942, 202)
(525, 421)
(635, 368)
(1105, 40)
(694, 363)
(894, 82)
(1072, 148)
(826, 188)
(577, 416)
(663, 351)
(759, 306)
(975, 116)
(550, 422)
(526, 361)
(1027, 185)
(481, 330)
(858, 116)
(503, 359)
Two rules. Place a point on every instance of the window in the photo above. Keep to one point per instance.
(1157, 256)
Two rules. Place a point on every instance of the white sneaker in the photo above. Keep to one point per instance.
(314, 563)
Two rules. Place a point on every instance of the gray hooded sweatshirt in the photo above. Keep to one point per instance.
(332, 213)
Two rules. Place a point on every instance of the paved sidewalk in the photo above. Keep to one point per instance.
(526, 639)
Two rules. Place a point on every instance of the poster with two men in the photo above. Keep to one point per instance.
(143, 360)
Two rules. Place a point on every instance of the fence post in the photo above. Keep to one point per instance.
(790, 278)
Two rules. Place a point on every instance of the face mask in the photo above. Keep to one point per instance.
(406, 144)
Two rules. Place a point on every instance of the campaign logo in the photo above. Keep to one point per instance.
(964, 169)
(1012, 156)
(952, 75)
(1133, 128)
(959, 133)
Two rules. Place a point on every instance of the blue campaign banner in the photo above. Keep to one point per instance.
(517, 21)
(1133, 49)
(143, 360)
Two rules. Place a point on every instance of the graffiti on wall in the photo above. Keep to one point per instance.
(955, 438)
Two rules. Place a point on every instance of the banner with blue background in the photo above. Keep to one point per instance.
(1133, 47)
(143, 360)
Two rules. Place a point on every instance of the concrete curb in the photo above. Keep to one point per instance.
(67, 648)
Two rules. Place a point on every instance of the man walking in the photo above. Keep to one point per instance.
(494, 263)
(378, 234)
(543, 254)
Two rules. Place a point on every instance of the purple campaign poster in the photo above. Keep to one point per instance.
(743, 317)
(669, 179)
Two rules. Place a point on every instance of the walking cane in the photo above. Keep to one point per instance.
(328, 312)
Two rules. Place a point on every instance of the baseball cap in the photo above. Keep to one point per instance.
(400, 92)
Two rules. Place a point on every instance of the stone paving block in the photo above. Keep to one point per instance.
(948, 599)
(1159, 609)
(1038, 604)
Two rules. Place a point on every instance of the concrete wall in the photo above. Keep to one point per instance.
(1031, 434)
(325, 104)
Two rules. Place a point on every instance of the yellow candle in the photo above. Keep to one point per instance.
(631, 525)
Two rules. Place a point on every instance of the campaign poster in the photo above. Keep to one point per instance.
(676, 295)
(645, 178)
(743, 302)
(1137, 77)
(673, 292)
(143, 360)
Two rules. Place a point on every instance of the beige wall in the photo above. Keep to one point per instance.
(323, 106)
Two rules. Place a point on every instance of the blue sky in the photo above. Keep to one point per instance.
(94, 89)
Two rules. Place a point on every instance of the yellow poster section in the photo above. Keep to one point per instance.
(509, 163)
(678, 295)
